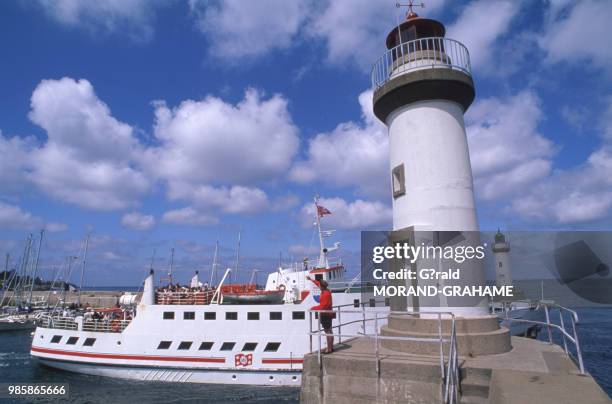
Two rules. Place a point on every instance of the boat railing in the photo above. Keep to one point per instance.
(87, 324)
(184, 298)
(449, 364)
(60, 323)
(105, 325)
(570, 336)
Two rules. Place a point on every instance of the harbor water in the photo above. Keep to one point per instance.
(16, 366)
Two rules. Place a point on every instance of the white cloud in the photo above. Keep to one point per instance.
(506, 149)
(213, 141)
(87, 159)
(358, 214)
(54, 227)
(237, 29)
(14, 161)
(208, 142)
(138, 221)
(479, 26)
(14, 218)
(189, 217)
(574, 33)
(132, 17)
(353, 154)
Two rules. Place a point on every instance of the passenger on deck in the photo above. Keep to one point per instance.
(325, 303)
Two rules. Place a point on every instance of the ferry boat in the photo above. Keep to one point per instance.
(198, 336)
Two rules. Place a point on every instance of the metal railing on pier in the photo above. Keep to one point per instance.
(565, 334)
(449, 365)
(434, 52)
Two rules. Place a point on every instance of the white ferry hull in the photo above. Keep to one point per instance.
(177, 375)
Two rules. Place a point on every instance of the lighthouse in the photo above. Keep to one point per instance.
(501, 249)
(422, 88)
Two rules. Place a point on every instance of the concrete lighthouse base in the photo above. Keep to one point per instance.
(475, 335)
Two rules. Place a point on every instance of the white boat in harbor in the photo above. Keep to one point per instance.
(201, 336)
(17, 322)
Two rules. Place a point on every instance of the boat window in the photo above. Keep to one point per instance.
(89, 341)
(272, 347)
(210, 315)
(185, 345)
(168, 315)
(164, 345)
(253, 315)
(276, 315)
(231, 315)
(206, 346)
(249, 346)
(72, 341)
(299, 315)
(227, 346)
(189, 315)
(56, 339)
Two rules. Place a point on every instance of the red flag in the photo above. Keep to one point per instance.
(322, 211)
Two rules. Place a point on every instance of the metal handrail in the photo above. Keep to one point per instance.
(565, 335)
(432, 52)
(450, 375)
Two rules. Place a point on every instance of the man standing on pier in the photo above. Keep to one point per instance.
(325, 303)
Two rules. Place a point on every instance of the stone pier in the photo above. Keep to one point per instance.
(532, 371)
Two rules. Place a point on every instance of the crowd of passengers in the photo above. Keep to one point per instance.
(172, 288)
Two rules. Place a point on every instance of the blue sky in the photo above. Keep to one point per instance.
(153, 124)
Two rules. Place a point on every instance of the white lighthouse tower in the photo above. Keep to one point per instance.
(501, 249)
(423, 86)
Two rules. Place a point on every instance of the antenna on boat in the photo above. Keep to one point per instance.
(213, 270)
(84, 263)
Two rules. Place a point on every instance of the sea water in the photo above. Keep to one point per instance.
(16, 365)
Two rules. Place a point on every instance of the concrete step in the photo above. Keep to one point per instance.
(475, 388)
(431, 325)
(472, 344)
(473, 400)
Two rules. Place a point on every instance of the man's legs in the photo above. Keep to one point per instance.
(330, 340)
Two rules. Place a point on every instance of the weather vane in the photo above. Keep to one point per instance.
(410, 6)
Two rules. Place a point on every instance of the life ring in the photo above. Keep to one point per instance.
(282, 287)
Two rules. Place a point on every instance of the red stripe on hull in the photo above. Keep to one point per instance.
(283, 361)
(129, 357)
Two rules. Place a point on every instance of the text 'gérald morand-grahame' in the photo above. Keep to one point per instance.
(424, 253)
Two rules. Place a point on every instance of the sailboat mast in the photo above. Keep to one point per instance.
(237, 257)
(83, 268)
(171, 263)
(42, 232)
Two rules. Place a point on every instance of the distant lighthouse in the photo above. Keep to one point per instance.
(501, 248)
(422, 87)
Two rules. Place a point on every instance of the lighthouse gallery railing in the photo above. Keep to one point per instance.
(419, 54)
